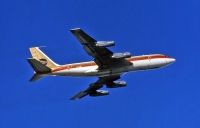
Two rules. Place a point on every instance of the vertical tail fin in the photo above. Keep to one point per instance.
(44, 59)
(40, 63)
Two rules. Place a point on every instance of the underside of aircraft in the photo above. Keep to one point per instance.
(107, 66)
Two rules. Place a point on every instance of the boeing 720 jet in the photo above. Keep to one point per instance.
(107, 66)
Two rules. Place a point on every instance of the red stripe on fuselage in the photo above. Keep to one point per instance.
(92, 63)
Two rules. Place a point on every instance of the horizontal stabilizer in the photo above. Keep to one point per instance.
(38, 66)
(35, 77)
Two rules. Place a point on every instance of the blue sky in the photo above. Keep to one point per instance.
(163, 98)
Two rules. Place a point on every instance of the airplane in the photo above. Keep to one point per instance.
(107, 66)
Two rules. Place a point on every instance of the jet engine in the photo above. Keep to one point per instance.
(99, 93)
(116, 84)
(105, 43)
(121, 55)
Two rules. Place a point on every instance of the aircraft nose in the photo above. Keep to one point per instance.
(170, 60)
(173, 60)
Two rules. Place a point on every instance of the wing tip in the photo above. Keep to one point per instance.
(75, 29)
(74, 98)
(80, 95)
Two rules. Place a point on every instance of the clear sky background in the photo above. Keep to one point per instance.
(163, 98)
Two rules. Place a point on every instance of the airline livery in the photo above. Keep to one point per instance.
(107, 66)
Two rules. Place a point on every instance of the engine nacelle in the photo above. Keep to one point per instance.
(105, 43)
(99, 93)
(116, 84)
(121, 55)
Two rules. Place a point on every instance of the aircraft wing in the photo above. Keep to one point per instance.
(102, 55)
(93, 89)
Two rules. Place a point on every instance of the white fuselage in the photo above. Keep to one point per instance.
(144, 62)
